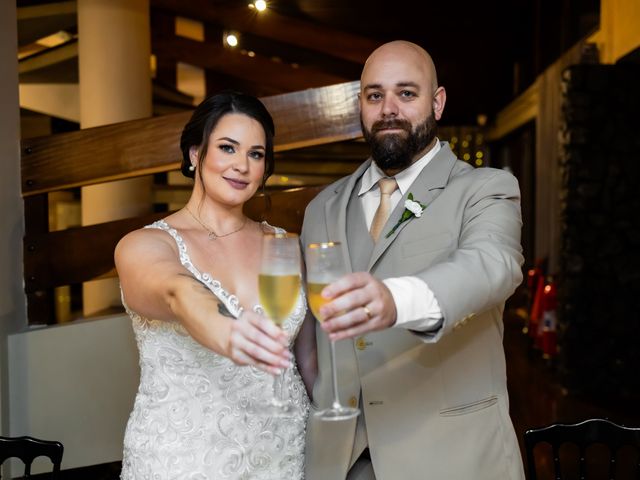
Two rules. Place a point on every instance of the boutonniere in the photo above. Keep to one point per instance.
(411, 209)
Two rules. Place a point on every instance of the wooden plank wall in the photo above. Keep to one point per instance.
(138, 147)
(310, 117)
(79, 254)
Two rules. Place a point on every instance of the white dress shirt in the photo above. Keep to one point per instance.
(416, 306)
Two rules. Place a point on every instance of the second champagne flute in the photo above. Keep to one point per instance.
(324, 265)
(279, 289)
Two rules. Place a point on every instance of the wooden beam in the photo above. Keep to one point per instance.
(315, 116)
(38, 21)
(75, 255)
(47, 10)
(270, 24)
(327, 167)
(101, 154)
(139, 147)
(283, 209)
(36, 214)
(217, 81)
(213, 56)
(49, 57)
(164, 25)
(287, 53)
(343, 152)
(79, 254)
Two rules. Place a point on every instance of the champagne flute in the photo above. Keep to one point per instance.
(324, 265)
(279, 289)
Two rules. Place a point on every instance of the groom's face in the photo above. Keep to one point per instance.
(397, 106)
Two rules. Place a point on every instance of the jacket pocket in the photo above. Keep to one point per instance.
(469, 407)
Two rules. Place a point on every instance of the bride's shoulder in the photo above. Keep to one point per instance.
(149, 236)
(268, 228)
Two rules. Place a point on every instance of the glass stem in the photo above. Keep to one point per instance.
(276, 389)
(336, 399)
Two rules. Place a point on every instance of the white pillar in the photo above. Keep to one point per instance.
(115, 86)
(13, 315)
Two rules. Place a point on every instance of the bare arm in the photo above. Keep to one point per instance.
(157, 286)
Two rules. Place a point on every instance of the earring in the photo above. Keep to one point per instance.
(192, 168)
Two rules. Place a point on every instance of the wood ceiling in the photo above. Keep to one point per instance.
(485, 52)
(329, 40)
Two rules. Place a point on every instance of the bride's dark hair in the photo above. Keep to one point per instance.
(207, 115)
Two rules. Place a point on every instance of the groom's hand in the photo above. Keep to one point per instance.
(360, 303)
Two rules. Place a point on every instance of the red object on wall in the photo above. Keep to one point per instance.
(548, 337)
(532, 278)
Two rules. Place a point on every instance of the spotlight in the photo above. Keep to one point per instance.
(259, 5)
(231, 39)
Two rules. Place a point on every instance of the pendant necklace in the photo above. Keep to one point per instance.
(213, 235)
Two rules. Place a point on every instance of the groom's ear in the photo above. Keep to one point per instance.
(439, 99)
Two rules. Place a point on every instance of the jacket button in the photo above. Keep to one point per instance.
(353, 402)
(361, 344)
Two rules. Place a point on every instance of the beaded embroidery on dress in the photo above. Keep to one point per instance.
(194, 415)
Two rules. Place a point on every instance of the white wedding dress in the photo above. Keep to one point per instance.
(194, 416)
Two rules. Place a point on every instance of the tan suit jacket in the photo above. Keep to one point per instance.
(435, 405)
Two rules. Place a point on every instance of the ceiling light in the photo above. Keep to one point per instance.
(259, 5)
(231, 39)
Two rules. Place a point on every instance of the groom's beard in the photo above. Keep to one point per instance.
(393, 151)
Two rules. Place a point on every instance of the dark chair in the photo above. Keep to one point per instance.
(28, 448)
(583, 434)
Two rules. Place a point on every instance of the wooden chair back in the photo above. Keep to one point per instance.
(583, 435)
(28, 449)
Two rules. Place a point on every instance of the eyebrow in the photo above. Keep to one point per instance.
(235, 142)
(228, 139)
(399, 84)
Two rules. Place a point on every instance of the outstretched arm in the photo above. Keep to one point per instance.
(156, 285)
(480, 273)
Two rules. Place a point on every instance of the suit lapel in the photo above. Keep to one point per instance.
(336, 212)
(426, 187)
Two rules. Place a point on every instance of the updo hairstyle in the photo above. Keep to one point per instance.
(206, 116)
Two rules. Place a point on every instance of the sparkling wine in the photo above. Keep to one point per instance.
(278, 295)
(316, 300)
(325, 264)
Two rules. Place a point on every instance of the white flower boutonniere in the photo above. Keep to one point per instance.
(412, 209)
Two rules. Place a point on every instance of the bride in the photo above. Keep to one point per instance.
(207, 354)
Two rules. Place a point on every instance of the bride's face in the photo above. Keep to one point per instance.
(233, 168)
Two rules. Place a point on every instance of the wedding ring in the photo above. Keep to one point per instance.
(368, 312)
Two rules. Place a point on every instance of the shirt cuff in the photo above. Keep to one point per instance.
(416, 306)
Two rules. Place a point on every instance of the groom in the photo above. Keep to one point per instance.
(418, 322)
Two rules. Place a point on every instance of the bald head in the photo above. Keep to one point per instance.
(401, 51)
(400, 104)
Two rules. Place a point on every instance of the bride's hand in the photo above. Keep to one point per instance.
(255, 340)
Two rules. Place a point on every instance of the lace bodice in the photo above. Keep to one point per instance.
(195, 415)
